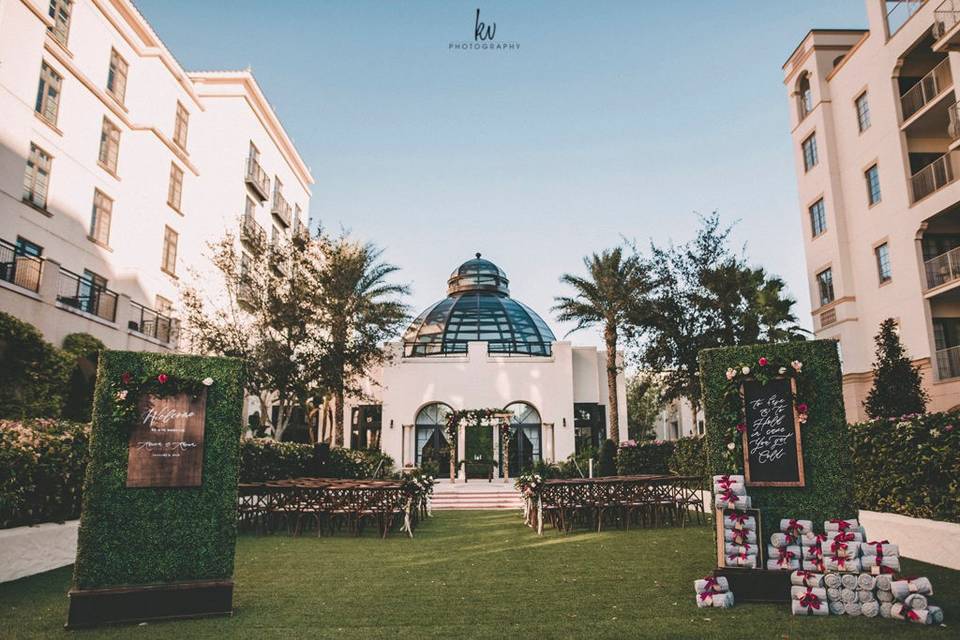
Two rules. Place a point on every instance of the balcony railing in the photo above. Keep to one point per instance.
(281, 208)
(152, 323)
(257, 178)
(80, 292)
(930, 86)
(933, 177)
(948, 362)
(945, 17)
(943, 268)
(18, 268)
(953, 129)
(252, 233)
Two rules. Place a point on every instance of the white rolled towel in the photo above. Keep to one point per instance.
(852, 608)
(814, 564)
(740, 503)
(886, 609)
(791, 551)
(717, 584)
(799, 527)
(902, 588)
(833, 594)
(741, 536)
(841, 524)
(810, 539)
(741, 549)
(864, 595)
(782, 564)
(870, 609)
(843, 550)
(849, 581)
(866, 581)
(884, 596)
(884, 580)
(737, 521)
(916, 601)
(843, 564)
(781, 539)
(798, 592)
(849, 536)
(848, 595)
(728, 478)
(837, 608)
(934, 615)
(735, 487)
(870, 562)
(736, 560)
(832, 580)
(875, 548)
(718, 600)
(818, 609)
(806, 579)
(900, 611)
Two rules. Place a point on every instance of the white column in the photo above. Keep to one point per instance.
(461, 449)
(496, 450)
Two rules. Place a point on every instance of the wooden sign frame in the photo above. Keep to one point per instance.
(158, 455)
(796, 430)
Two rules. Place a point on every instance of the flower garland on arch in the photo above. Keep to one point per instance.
(127, 390)
(763, 372)
(476, 418)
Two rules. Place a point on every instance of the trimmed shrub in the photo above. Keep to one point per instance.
(42, 463)
(689, 457)
(266, 459)
(909, 465)
(608, 459)
(84, 350)
(34, 374)
(645, 457)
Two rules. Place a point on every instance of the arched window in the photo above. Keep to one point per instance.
(804, 95)
(525, 437)
(431, 442)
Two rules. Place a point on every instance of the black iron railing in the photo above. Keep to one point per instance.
(81, 292)
(152, 323)
(19, 268)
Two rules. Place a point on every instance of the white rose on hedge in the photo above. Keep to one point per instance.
(745, 371)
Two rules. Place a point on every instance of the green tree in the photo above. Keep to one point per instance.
(897, 385)
(360, 310)
(708, 296)
(85, 350)
(644, 402)
(612, 296)
(607, 464)
(34, 374)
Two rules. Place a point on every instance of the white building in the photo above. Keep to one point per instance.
(117, 167)
(478, 348)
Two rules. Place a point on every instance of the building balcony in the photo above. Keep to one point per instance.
(258, 179)
(948, 363)
(20, 269)
(943, 268)
(932, 86)
(252, 233)
(281, 209)
(933, 177)
(152, 324)
(946, 26)
(83, 294)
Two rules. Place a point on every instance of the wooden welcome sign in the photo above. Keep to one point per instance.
(165, 448)
(772, 450)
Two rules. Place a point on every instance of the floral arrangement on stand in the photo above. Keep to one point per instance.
(763, 372)
(530, 486)
(477, 418)
(128, 390)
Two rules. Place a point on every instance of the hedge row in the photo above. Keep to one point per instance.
(909, 465)
(265, 459)
(685, 457)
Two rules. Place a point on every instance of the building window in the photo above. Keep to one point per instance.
(36, 179)
(810, 152)
(818, 218)
(883, 263)
(48, 93)
(27, 248)
(863, 112)
(100, 218)
(170, 238)
(117, 76)
(163, 305)
(180, 127)
(109, 146)
(872, 176)
(60, 14)
(175, 189)
(274, 236)
(825, 285)
(365, 426)
(805, 95)
(589, 426)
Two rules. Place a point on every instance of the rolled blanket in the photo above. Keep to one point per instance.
(844, 549)
(737, 521)
(783, 564)
(843, 564)
(737, 488)
(736, 560)
(837, 608)
(838, 524)
(833, 594)
(781, 539)
(798, 592)
(732, 501)
(884, 581)
(849, 581)
(886, 609)
(813, 552)
(934, 615)
(884, 596)
(710, 583)
(740, 536)
(865, 595)
(810, 539)
(817, 565)
(848, 595)
(852, 608)
(740, 549)
(867, 581)
(792, 551)
(728, 478)
(879, 548)
(916, 601)
(900, 611)
(810, 607)
(806, 579)
(902, 588)
(794, 526)
(718, 600)
(848, 536)
(870, 609)
(883, 565)
(832, 580)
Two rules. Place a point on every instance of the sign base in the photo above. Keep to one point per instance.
(756, 585)
(91, 607)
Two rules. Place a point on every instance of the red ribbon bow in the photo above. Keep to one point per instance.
(810, 600)
(910, 614)
(705, 594)
(785, 556)
(842, 525)
(838, 545)
(729, 496)
(739, 518)
(711, 582)
(804, 574)
(844, 537)
(816, 551)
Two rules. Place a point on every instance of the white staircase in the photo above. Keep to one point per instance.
(475, 494)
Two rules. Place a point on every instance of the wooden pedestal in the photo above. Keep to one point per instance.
(91, 607)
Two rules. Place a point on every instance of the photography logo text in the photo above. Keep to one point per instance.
(484, 39)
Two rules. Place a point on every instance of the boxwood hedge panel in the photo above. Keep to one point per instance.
(826, 448)
(152, 535)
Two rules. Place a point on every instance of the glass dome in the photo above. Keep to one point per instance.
(478, 307)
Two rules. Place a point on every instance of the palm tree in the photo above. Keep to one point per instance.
(614, 296)
(361, 311)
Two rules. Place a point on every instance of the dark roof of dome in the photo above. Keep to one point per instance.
(478, 308)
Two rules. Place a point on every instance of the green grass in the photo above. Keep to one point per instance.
(474, 575)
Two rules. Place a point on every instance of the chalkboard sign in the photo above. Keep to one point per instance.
(772, 451)
(165, 448)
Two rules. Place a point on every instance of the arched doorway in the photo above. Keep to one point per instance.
(525, 437)
(432, 448)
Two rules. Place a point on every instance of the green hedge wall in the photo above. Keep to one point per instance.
(685, 456)
(266, 459)
(828, 466)
(154, 535)
(909, 465)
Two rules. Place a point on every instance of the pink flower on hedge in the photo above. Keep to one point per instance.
(162, 378)
(948, 428)
(741, 427)
(802, 407)
(126, 378)
(762, 362)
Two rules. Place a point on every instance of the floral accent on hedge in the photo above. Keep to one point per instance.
(909, 465)
(127, 390)
(763, 371)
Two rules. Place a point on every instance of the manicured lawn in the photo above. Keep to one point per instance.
(475, 575)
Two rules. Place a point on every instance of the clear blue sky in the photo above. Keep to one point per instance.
(612, 119)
